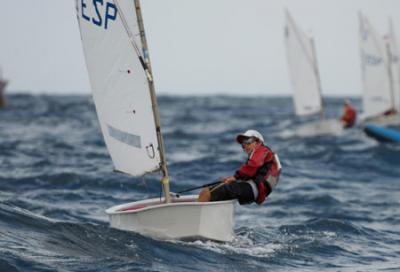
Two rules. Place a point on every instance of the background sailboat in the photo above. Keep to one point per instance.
(380, 75)
(3, 84)
(382, 134)
(120, 74)
(304, 73)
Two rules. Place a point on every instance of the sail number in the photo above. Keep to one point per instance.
(372, 59)
(104, 12)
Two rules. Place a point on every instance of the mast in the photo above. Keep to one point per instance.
(316, 71)
(395, 60)
(156, 114)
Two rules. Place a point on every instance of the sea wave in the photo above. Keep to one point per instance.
(335, 208)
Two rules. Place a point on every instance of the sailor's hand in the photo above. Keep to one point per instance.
(228, 180)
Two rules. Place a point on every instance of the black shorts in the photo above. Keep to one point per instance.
(241, 191)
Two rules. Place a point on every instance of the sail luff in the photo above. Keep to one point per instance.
(156, 113)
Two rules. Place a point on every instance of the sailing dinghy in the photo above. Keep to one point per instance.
(380, 75)
(3, 84)
(306, 84)
(382, 134)
(118, 63)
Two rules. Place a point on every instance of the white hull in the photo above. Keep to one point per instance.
(319, 128)
(384, 120)
(184, 218)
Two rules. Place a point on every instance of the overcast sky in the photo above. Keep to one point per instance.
(196, 46)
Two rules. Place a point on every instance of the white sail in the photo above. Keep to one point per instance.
(377, 97)
(125, 101)
(119, 84)
(303, 69)
(395, 64)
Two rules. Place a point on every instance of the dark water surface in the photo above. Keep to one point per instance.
(336, 207)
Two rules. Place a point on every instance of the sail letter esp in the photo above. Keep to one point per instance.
(131, 139)
(99, 20)
(104, 12)
(110, 16)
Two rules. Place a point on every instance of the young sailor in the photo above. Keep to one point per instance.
(349, 115)
(254, 180)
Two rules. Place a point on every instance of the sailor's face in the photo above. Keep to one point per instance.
(248, 146)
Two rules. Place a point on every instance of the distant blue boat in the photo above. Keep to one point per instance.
(381, 133)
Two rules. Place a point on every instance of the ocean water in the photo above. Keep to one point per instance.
(336, 208)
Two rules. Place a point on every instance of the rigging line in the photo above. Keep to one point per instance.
(132, 40)
(127, 29)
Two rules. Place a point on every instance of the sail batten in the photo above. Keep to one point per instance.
(120, 84)
(303, 70)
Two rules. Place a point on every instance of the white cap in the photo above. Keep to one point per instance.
(248, 134)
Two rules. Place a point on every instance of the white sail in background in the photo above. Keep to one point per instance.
(3, 82)
(303, 69)
(377, 96)
(395, 64)
(119, 84)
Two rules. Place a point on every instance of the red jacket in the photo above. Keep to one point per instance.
(349, 116)
(257, 159)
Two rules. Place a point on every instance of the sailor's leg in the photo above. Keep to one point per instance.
(204, 195)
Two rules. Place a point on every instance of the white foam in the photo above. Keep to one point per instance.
(240, 245)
